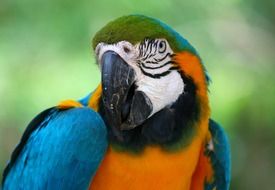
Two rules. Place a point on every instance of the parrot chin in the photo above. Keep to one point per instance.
(124, 107)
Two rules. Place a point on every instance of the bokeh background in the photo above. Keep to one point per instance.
(46, 56)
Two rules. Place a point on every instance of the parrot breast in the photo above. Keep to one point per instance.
(154, 168)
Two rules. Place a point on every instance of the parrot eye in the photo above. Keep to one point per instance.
(162, 47)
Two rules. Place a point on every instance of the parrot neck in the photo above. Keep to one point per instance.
(190, 66)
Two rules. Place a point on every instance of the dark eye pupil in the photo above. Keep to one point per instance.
(161, 45)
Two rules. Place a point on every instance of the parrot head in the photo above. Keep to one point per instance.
(151, 78)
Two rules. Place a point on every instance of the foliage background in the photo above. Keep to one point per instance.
(46, 56)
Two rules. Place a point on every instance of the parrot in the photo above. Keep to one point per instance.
(147, 125)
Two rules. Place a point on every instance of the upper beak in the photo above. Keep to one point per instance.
(124, 107)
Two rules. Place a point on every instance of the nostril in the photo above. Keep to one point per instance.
(126, 49)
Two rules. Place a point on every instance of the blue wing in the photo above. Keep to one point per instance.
(60, 149)
(220, 158)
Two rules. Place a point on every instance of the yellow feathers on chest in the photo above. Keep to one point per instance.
(154, 169)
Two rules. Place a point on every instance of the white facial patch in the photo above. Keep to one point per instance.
(163, 91)
(156, 74)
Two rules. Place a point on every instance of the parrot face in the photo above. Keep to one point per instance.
(143, 81)
(138, 80)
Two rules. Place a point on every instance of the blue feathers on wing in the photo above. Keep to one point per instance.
(220, 158)
(60, 149)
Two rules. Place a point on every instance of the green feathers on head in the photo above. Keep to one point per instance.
(136, 28)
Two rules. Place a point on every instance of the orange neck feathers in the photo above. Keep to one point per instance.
(191, 66)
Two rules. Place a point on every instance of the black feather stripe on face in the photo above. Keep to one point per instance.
(154, 54)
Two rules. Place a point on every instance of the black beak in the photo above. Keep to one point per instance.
(124, 107)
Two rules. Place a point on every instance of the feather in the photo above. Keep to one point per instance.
(59, 150)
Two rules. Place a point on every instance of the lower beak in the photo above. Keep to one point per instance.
(125, 108)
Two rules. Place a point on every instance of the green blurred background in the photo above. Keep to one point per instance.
(46, 56)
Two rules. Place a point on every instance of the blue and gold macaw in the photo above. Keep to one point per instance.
(146, 126)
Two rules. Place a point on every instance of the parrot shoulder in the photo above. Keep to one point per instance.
(58, 147)
(218, 151)
(213, 168)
